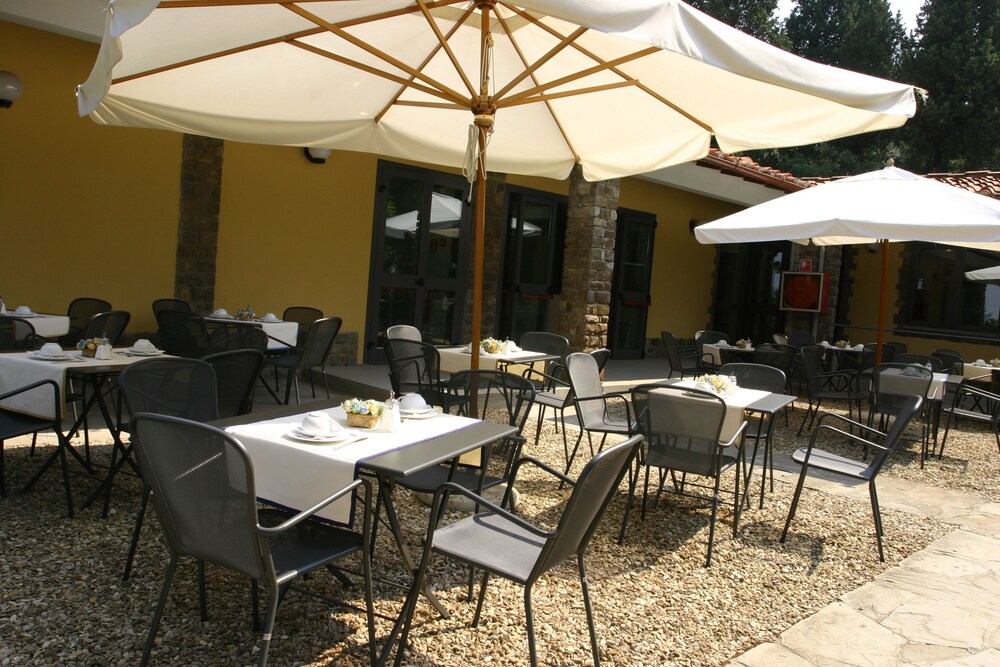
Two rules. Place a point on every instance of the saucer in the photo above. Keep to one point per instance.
(49, 357)
(144, 353)
(418, 414)
(264, 319)
(336, 436)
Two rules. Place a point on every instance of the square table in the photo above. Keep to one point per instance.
(280, 334)
(45, 325)
(454, 359)
(712, 350)
(736, 403)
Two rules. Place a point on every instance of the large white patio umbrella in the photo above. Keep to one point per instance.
(876, 207)
(990, 274)
(619, 86)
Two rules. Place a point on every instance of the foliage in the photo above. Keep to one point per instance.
(754, 17)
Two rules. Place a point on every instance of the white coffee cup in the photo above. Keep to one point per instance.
(51, 349)
(318, 423)
(221, 312)
(412, 403)
(22, 310)
(143, 345)
(271, 317)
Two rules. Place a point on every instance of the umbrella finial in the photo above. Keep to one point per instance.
(890, 162)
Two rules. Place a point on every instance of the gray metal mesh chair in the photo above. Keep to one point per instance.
(975, 404)
(236, 373)
(682, 364)
(176, 387)
(596, 411)
(315, 350)
(891, 384)
(182, 334)
(759, 428)
(110, 324)
(951, 362)
(500, 543)
(415, 368)
(232, 336)
(682, 430)
(168, 304)
(304, 316)
(404, 332)
(547, 343)
(827, 385)
(80, 311)
(18, 334)
(881, 443)
(202, 483)
(922, 359)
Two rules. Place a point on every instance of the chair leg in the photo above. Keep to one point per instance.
(3, 475)
(633, 479)
(154, 623)
(590, 611)
(795, 502)
(944, 439)
(272, 610)
(202, 606)
(482, 597)
(530, 622)
(538, 424)
(877, 516)
(134, 544)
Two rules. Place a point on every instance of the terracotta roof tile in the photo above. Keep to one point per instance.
(981, 182)
(749, 170)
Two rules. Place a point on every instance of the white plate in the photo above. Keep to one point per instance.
(26, 315)
(339, 436)
(419, 414)
(222, 317)
(139, 353)
(264, 319)
(50, 357)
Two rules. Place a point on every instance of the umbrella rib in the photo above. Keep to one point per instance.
(544, 97)
(381, 55)
(592, 56)
(524, 61)
(443, 41)
(530, 70)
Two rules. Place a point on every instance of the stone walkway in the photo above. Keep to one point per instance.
(940, 606)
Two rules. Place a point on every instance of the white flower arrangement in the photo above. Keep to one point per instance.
(358, 407)
(744, 343)
(843, 343)
(994, 362)
(720, 384)
(491, 345)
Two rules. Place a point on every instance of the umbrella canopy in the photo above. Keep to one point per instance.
(881, 206)
(988, 275)
(618, 86)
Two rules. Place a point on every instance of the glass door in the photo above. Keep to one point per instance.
(747, 284)
(419, 256)
(630, 296)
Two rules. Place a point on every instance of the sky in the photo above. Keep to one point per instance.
(909, 9)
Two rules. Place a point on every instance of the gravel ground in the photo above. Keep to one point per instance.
(62, 599)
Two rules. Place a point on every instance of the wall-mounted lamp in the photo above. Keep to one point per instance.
(10, 89)
(692, 224)
(873, 248)
(317, 155)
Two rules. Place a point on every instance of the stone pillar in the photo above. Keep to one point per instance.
(589, 261)
(198, 227)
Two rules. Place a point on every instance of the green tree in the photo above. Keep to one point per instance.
(859, 35)
(754, 17)
(957, 60)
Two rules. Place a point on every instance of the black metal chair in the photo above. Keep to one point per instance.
(415, 368)
(80, 311)
(827, 385)
(110, 324)
(882, 443)
(681, 364)
(304, 316)
(548, 343)
(313, 354)
(170, 304)
(183, 334)
(203, 492)
(185, 388)
(14, 423)
(975, 404)
(707, 337)
(18, 334)
(759, 428)
(891, 384)
(951, 361)
(596, 411)
(500, 543)
(920, 359)
(404, 331)
(799, 339)
(236, 373)
(682, 430)
(232, 336)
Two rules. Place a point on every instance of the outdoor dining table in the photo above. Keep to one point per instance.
(292, 473)
(18, 369)
(454, 359)
(975, 370)
(280, 334)
(713, 350)
(45, 325)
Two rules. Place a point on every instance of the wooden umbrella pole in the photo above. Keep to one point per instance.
(880, 329)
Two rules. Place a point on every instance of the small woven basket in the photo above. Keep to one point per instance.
(87, 352)
(492, 350)
(362, 421)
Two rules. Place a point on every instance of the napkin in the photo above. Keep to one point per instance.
(859, 346)
(514, 347)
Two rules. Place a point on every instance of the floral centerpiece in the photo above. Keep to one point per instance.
(245, 313)
(88, 347)
(365, 414)
(994, 362)
(842, 344)
(720, 384)
(491, 345)
(744, 343)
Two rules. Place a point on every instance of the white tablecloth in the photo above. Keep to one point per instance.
(47, 326)
(735, 405)
(713, 350)
(17, 369)
(297, 475)
(894, 381)
(279, 334)
(454, 359)
(974, 371)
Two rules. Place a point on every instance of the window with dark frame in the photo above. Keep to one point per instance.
(937, 296)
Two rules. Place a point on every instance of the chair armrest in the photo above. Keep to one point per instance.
(964, 389)
(305, 514)
(851, 422)
(548, 381)
(35, 385)
(440, 497)
(736, 435)
(539, 464)
(847, 434)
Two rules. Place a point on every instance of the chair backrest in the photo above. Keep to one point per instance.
(601, 356)
(951, 362)
(775, 355)
(232, 336)
(594, 490)
(780, 339)
(503, 396)
(414, 367)
(893, 381)
(304, 315)
(801, 338)
(318, 341)
(177, 387)
(80, 311)
(18, 334)
(585, 382)
(404, 332)
(203, 492)
(907, 408)
(921, 359)
(182, 334)
(897, 348)
(812, 359)
(673, 350)
(547, 342)
(110, 324)
(236, 374)
(681, 427)
(757, 376)
(170, 304)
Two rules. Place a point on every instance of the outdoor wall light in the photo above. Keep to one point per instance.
(10, 89)
(317, 155)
